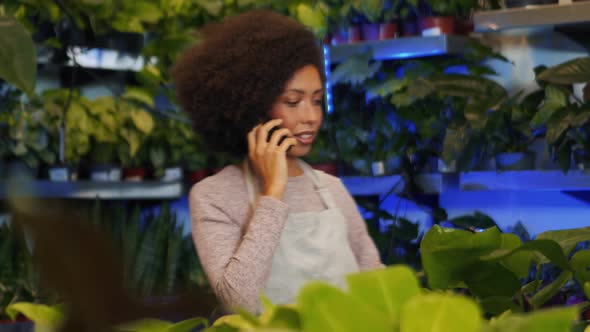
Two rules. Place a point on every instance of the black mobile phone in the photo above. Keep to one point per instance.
(271, 131)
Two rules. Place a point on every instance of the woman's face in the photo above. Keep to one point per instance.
(300, 107)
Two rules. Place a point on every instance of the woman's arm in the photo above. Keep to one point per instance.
(237, 259)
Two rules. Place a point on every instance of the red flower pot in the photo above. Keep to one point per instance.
(196, 176)
(388, 31)
(330, 168)
(437, 25)
(354, 34)
(134, 174)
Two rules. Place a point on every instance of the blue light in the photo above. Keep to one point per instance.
(329, 106)
(409, 55)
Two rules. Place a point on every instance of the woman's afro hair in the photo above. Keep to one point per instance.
(229, 82)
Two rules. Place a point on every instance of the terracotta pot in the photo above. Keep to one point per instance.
(134, 174)
(329, 167)
(437, 25)
(196, 176)
(388, 31)
(354, 34)
(370, 31)
(410, 28)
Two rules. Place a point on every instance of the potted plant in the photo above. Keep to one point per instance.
(194, 159)
(340, 29)
(509, 135)
(136, 125)
(377, 19)
(167, 144)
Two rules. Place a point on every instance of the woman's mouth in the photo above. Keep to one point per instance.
(305, 137)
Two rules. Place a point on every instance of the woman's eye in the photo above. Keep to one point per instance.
(291, 103)
(318, 102)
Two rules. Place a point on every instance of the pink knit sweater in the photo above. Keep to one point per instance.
(236, 248)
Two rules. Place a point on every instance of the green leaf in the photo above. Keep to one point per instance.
(446, 252)
(188, 325)
(325, 308)
(355, 70)
(213, 7)
(285, 317)
(555, 98)
(580, 263)
(496, 305)
(549, 248)
(570, 72)
(557, 124)
(587, 289)
(553, 320)
(547, 292)
(140, 95)
(146, 12)
(520, 262)
(567, 238)
(18, 59)
(490, 279)
(235, 321)
(312, 18)
(142, 120)
(387, 289)
(440, 312)
(477, 220)
(42, 315)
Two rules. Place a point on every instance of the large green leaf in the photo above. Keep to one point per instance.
(567, 238)
(50, 318)
(549, 248)
(489, 280)
(496, 305)
(140, 95)
(356, 69)
(142, 120)
(18, 59)
(440, 312)
(555, 98)
(557, 124)
(520, 262)
(446, 252)
(587, 289)
(312, 18)
(387, 289)
(477, 220)
(580, 263)
(325, 308)
(553, 320)
(573, 71)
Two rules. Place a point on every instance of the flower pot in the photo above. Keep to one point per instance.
(524, 3)
(515, 161)
(172, 174)
(388, 31)
(196, 176)
(328, 167)
(445, 168)
(437, 25)
(410, 28)
(354, 34)
(378, 168)
(581, 160)
(134, 174)
(62, 173)
(370, 31)
(105, 173)
(339, 37)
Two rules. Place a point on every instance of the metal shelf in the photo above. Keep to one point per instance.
(92, 189)
(542, 15)
(534, 180)
(401, 48)
(381, 185)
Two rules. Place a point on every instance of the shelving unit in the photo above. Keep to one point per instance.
(401, 48)
(381, 185)
(92, 190)
(541, 180)
(542, 15)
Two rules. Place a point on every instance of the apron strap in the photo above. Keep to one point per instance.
(319, 184)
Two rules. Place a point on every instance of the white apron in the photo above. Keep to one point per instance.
(313, 245)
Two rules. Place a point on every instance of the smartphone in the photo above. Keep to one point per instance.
(271, 131)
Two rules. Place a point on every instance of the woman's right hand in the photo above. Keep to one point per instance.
(268, 158)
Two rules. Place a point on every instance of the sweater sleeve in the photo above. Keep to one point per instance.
(237, 259)
(361, 243)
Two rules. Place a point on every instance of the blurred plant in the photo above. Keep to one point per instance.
(173, 143)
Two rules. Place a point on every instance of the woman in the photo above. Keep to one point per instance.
(272, 223)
